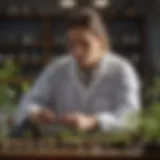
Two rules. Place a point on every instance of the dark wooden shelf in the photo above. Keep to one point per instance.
(22, 17)
(50, 49)
(123, 17)
(65, 14)
(127, 47)
(60, 47)
(20, 45)
(121, 47)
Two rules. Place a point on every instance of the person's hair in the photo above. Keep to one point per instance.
(90, 19)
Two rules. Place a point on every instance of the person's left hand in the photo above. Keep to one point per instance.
(79, 121)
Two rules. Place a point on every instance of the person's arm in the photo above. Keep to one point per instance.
(125, 104)
(39, 96)
(128, 104)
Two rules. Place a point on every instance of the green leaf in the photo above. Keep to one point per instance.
(25, 87)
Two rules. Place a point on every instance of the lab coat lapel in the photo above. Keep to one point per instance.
(86, 92)
(98, 77)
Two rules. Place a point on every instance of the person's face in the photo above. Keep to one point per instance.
(85, 46)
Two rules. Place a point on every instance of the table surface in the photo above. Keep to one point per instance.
(17, 152)
(72, 153)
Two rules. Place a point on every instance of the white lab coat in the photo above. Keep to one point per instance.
(113, 94)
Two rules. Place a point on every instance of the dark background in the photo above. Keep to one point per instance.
(33, 31)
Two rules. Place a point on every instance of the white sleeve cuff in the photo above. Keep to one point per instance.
(106, 121)
(109, 122)
(33, 108)
(23, 113)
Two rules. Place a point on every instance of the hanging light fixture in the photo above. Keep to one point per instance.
(101, 3)
(67, 3)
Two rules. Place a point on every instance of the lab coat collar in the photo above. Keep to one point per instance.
(97, 77)
(101, 68)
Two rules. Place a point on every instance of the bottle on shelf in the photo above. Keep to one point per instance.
(28, 39)
(13, 10)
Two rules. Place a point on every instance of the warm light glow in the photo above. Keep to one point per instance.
(67, 3)
(101, 3)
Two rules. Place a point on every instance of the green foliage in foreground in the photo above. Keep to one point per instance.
(8, 95)
(150, 118)
(148, 129)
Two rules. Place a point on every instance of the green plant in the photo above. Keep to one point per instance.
(8, 94)
(149, 126)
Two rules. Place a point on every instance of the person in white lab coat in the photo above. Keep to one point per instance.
(90, 88)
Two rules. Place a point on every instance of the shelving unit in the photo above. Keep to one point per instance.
(33, 39)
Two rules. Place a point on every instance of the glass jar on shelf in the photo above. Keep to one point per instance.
(13, 10)
(28, 39)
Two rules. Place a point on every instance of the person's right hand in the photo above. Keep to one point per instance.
(42, 116)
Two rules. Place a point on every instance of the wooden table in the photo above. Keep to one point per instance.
(48, 155)
(32, 152)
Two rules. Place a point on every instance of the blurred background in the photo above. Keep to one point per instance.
(34, 31)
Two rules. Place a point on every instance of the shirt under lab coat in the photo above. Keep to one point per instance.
(112, 96)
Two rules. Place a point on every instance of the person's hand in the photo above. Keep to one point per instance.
(79, 122)
(42, 116)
